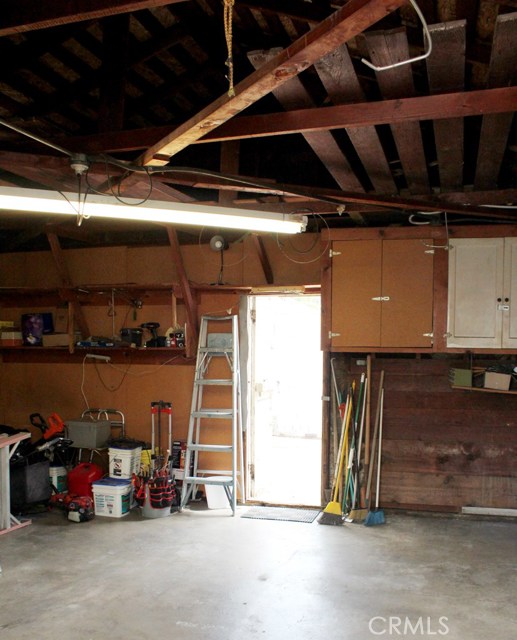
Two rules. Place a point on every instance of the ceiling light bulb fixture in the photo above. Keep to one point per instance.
(198, 214)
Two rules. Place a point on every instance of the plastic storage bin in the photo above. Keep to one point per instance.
(88, 434)
(112, 497)
(124, 462)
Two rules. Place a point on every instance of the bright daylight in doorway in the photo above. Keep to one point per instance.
(284, 447)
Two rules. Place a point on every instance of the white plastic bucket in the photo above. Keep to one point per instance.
(112, 497)
(124, 462)
(216, 495)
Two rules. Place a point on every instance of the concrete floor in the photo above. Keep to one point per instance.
(204, 574)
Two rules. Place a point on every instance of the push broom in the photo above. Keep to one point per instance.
(333, 513)
(377, 515)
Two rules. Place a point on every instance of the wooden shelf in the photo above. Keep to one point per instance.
(118, 355)
(512, 393)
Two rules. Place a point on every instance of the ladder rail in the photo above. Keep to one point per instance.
(230, 479)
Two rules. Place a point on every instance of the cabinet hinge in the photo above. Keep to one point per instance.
(333, 253)
(429, 251)
(381, 299)
(447, 335)
(333, 335)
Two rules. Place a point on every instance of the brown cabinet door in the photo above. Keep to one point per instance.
(407, 280)
(382, 293)
(356, 280)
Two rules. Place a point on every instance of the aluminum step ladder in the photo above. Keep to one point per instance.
(217, 356)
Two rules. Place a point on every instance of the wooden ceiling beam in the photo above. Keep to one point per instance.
(356, 115)
(353, 18)
(19, 16)
(365, 114)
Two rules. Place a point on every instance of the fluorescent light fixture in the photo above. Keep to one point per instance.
(100, 206)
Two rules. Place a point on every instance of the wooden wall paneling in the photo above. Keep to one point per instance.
(340, 80)
(403, 488)
(386, 48)
(446, 73)
(443, 448)
(496, 127)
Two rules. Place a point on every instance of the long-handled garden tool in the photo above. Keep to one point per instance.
(356, 513)
(377, 515)
(333, 513)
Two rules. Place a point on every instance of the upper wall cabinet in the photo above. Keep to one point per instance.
(381, 294)
(482, 288)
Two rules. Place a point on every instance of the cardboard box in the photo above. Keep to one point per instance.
(11, 339)
(55, 340)
(460, 377)
(500, 381)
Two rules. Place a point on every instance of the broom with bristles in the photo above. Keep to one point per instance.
(333, 513)
(376, 516)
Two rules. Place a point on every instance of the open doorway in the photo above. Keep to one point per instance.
(285, 405)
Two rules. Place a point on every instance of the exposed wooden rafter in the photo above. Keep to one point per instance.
(341, 26)
(26, 15)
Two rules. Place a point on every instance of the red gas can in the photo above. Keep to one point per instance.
(81, 477)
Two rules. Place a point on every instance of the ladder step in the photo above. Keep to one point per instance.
(221, 448)
(216, 350)
(221, 480)
(214, 381)
(213, 413)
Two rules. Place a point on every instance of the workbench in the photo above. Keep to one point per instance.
(7, 521)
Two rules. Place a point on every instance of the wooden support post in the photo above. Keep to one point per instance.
(264, 260)
(188, 298)
(74, 308)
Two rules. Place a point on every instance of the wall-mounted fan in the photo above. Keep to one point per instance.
(219, 243)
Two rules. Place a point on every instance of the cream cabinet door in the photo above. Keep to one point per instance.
(475, 298)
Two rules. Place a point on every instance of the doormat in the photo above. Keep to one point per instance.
(281, 513)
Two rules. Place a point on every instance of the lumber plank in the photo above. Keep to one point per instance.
(446, 72)
(293, 95)
(496, 128)
(19, 16)
(386, 48)
(340, 80)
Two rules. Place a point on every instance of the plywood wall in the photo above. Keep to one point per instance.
(47, 388)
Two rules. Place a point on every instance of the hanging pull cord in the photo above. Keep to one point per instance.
(427, 41)
(228, 34)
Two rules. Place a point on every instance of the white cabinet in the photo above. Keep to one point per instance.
(482, 286)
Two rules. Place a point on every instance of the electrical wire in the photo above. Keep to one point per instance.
(82, 383)
(317, 258)
(427, 41)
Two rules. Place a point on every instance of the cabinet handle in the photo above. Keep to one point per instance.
(381, 298)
